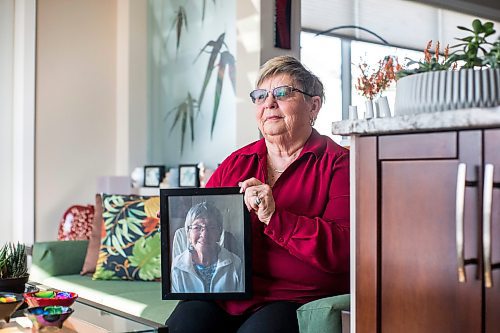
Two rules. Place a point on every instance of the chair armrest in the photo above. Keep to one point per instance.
(57, 258)
(323, 315)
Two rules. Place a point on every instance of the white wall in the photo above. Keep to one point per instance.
(6, 89)
(75, 105)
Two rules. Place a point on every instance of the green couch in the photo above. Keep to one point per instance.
(58, 264)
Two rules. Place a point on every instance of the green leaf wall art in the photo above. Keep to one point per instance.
(203, 10)
(179, 20)
(226, 62)
(184, 112)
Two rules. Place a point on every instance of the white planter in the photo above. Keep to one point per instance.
(447, 90)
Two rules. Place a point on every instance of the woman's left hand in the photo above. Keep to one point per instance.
(259, 198)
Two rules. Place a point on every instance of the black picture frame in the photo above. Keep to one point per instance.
(153, 175)
(189, 175)
(232, 268)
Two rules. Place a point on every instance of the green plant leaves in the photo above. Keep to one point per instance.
(216, 47)
(226, 62)
(203, 9)
(179, 21)
(472, 51)
(184, 112)
(13, 261)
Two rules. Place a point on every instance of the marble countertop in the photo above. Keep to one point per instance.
(446, 120)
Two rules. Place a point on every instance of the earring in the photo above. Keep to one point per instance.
(312, 121)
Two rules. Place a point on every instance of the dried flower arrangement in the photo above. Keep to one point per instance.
(373, 82)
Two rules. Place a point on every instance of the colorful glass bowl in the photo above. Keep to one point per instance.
(50, 297)
(9, 303)
(43, 316)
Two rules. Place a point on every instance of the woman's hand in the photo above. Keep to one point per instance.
(259, 198)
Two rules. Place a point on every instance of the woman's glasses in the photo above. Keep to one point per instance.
(198, 228)
(258, 96)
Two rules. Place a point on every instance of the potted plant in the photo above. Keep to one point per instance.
(467, 78)
(13, 267)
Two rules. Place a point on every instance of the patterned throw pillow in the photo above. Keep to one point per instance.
(76, 223)
(130, 238)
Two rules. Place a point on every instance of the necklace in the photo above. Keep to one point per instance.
(287, 165)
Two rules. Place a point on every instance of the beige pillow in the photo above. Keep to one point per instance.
(95, 239)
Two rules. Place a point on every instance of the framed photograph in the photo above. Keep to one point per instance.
(153, 175)
(205, 244)
(189, 175)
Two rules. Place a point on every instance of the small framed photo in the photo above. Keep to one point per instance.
(205, 244)
(189, 175)
(153, 175)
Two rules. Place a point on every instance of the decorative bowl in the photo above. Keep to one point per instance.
(9, 303)
(43, 316)
(50, 297)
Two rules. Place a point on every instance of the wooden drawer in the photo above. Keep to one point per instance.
(418, 146)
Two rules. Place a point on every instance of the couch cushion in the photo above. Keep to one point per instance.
(323, 315)
(139, 298)
(57, 258)
(130, 243)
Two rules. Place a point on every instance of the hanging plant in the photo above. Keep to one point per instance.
(184, 112)
(226, 62)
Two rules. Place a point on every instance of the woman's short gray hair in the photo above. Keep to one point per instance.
(301, 76)
(206, 211)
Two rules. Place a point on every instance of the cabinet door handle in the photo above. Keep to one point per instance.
(487, 200)
(462, 168)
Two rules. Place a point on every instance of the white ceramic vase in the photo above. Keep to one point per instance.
(369, 109)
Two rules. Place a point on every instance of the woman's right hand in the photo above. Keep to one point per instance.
(259, 198)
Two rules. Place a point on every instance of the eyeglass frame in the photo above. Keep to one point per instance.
(202, 227)
(293, 89)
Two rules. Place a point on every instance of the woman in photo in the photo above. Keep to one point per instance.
(205, 267)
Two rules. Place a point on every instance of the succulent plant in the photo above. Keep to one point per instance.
(13, 261)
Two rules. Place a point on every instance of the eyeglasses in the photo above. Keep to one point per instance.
(200, 227)
(258, 96)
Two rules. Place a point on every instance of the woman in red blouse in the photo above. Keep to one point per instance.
(296, 185)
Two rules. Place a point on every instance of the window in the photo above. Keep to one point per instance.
(322, 56)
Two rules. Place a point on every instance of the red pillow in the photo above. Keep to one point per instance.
(76, 223)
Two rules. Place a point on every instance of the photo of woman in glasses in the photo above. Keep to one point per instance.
(204, 266)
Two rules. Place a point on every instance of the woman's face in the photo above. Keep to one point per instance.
(289, 117)
(203, 234)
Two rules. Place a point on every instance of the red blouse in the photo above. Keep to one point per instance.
(303, 253)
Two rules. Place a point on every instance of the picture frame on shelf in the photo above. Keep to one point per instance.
(219, 217)
(189, 175)
(153, 175)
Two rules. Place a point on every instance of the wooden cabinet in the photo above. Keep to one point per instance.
(408, 236)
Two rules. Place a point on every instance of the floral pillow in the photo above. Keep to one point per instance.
(130, 238)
